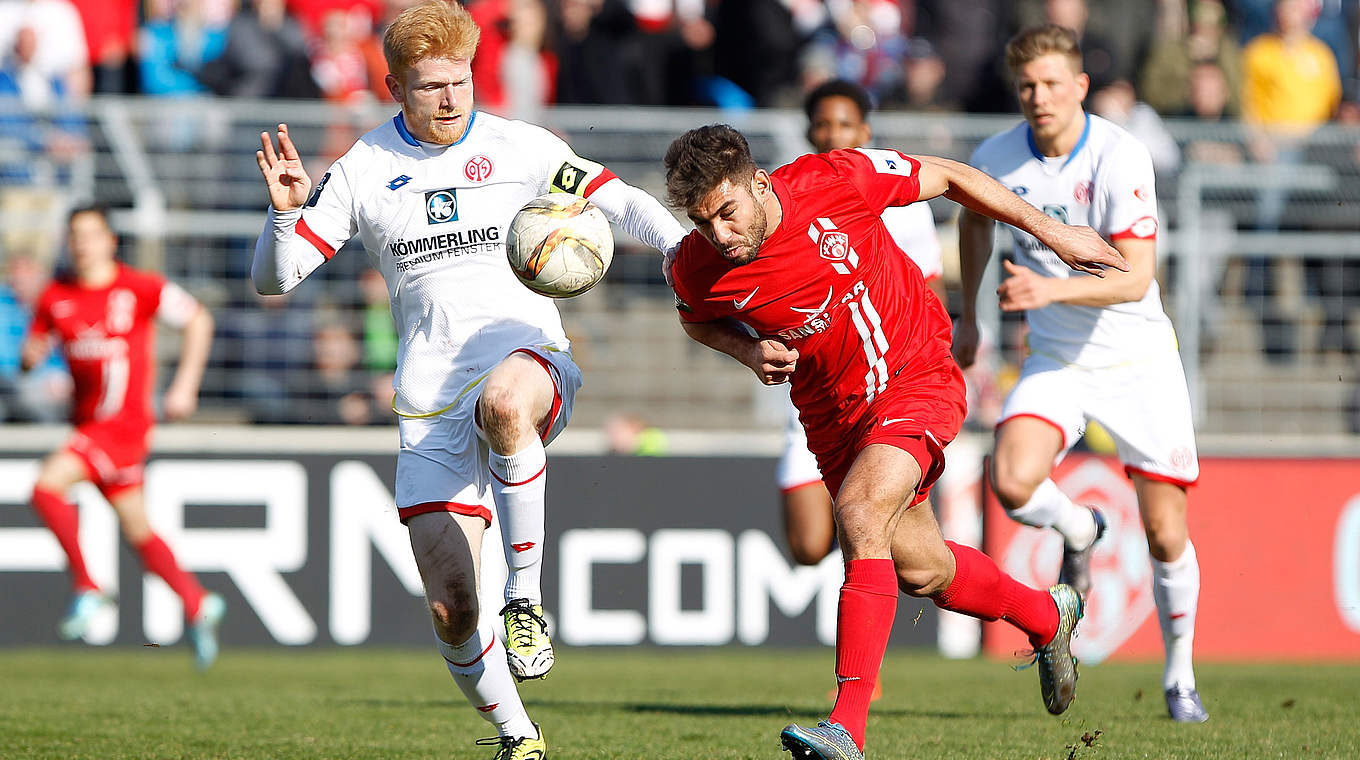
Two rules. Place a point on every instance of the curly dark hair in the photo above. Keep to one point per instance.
(839, 88)
(700, 159)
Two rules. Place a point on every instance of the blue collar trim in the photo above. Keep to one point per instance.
(406, 137)
(1081, 142)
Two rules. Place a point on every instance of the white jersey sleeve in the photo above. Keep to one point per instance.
(1125, 200)
(633, 209)
(295, 243)
(176, 307)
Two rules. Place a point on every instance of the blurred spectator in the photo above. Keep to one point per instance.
(1101, 58)
(110, 34)
(265, 55)
(338, 63)
(863, 42)
(1185, 40)
(1118, 102)
(311, 14)
(380, 332)
(175, 41)
(630, 435)
(262, 345)
(60, 50)
(516, 72)
(42, 131)
(1333, 21)
(755, 47)
(1292, 85)
(967, 35)
(335, 391)
(598, 36)
(1209, 103)
(924, 74)
(41, 394)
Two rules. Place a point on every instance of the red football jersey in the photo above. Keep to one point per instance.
(831, 283)
(108, 337)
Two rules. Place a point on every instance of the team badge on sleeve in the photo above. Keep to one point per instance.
(887, 161)
(575, 176)
(316, 192)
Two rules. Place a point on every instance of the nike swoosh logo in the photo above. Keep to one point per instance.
(742, 303)
(895, 420)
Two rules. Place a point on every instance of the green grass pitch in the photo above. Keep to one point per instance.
(81, 702)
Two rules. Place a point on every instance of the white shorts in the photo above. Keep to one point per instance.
(442, 464)
(1144, 405)
(797, 465)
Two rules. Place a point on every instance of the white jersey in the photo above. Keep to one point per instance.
(433, 220)
(1106, 183)
(913, 229)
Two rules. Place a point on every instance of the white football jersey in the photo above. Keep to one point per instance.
(913, 229)
(433, 220)
(1106, 183)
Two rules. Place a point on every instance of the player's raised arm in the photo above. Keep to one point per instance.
(1078, 247)
(306, 224)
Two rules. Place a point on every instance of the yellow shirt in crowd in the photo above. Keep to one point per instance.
(1289, 85)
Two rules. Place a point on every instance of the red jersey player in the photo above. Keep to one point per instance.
(102, 317)
(800, 256)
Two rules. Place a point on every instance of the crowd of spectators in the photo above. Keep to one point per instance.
(1280, 67)
(923, 54)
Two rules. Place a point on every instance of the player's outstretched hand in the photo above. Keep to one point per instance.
(966, 339)
(772, 361)
(1085, 251)
(179, 402)
(287, 181)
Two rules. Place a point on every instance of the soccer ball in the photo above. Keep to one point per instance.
(559, 245)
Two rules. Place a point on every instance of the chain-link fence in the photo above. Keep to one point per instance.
(1260, 259)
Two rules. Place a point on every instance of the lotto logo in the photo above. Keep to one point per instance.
(478, 168)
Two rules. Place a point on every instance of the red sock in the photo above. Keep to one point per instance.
(863, 621)
(981, 590)
(157, 558)
(63, 519)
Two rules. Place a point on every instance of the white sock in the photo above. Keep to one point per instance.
(519, 482)
(1175, 587)
(479, 668)
(1049, 507)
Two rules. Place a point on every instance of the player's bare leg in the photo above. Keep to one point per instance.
(808, 525)
(962, 579)
(1175, 588)
(203, 610)
(514, 407)
(877, 490)
(447, 549)
(1026, 448)
(59, 472)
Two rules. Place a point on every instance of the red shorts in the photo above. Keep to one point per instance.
(918, 415)
(114, 452)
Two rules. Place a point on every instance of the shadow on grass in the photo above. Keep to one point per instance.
(798, 712)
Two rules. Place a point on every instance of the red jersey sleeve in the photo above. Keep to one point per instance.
(41, 324)
(688, 301)
(885, 178)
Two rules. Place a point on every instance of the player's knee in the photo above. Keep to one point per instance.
(807, 551)
(922, 581)
(1166, 540)
(1013, 487)
(456, 614)
(501, 412)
